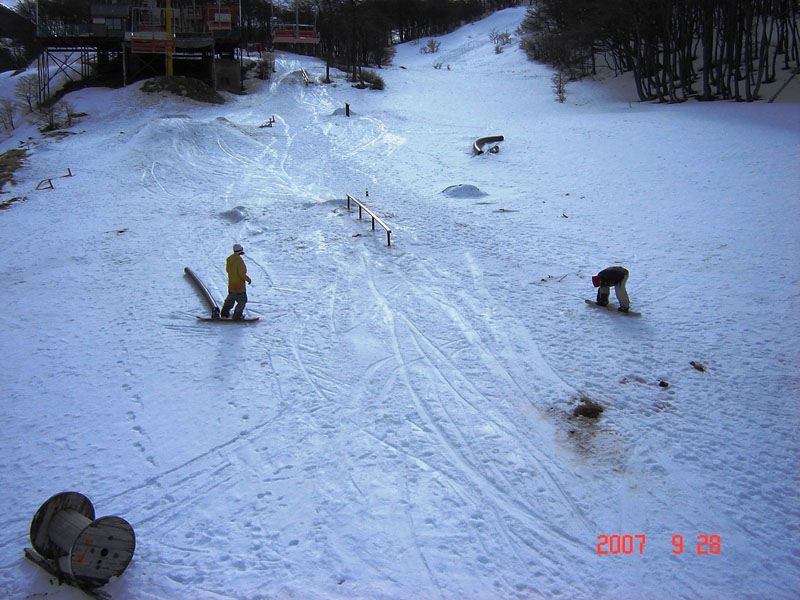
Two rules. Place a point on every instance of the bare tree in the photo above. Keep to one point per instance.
(69, 112)
(27, 89)
(26, 9)
(737, 43)
(432, 47)
(560, 81)
(49, 114)
(7, 108)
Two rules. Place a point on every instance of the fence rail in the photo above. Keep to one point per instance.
(47, 184)
(375, 218)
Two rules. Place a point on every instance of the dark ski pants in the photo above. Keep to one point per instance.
(240, 298)
(604, 292)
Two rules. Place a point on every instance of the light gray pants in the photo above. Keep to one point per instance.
(604, 291)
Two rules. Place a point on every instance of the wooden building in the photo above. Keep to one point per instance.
(134, 39)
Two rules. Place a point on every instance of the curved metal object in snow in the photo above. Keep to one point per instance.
(478, 145)
(212, 304)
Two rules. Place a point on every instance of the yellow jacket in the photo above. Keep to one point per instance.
(237, 273)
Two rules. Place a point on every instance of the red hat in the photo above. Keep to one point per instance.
(596, 281)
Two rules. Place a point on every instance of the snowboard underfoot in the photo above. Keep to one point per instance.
(612, 308)
(221, 320)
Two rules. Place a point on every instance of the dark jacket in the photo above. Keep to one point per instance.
(613, 275)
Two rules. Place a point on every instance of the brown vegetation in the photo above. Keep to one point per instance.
(10, 161)
(183, 86)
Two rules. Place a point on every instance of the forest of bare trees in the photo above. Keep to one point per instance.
(362, 32)
(676, 49)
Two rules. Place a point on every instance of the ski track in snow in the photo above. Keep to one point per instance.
(398, 423)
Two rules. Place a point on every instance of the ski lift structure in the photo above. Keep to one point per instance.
(144, 37)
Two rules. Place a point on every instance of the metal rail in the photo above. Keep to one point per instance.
(375, 218)
(478, 145)
(212, 304)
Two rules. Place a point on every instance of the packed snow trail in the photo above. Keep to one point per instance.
(398, 423)
(344, 318)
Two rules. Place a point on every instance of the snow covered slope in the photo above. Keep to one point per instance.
(399, 422)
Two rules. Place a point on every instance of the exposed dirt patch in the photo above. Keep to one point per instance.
(10, 161)
(58, 134)
(187, 87)
(5, 205)
(589, 409)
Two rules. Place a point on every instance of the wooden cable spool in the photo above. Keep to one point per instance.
(83, 550)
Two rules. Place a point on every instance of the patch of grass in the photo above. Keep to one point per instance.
(431, 48)
(8, 203)
(57, 133)
(183, 86)
(10, 161)
(373, 80)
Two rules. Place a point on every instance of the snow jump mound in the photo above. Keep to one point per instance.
(463, 190)
(234, 215)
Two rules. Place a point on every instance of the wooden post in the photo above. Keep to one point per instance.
(169, 38)
(213, 66)
(124, 66)
(347, 109)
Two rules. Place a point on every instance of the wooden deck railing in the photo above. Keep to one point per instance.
(375, 218)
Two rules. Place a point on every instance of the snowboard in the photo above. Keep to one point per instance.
(613, 308)
(221, 320)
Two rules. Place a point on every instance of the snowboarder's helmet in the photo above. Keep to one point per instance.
(237, 248)
(596, 280)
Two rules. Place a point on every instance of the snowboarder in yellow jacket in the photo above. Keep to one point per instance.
(237, 290)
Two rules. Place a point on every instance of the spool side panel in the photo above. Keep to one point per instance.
(103, 550)
(40, 524)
